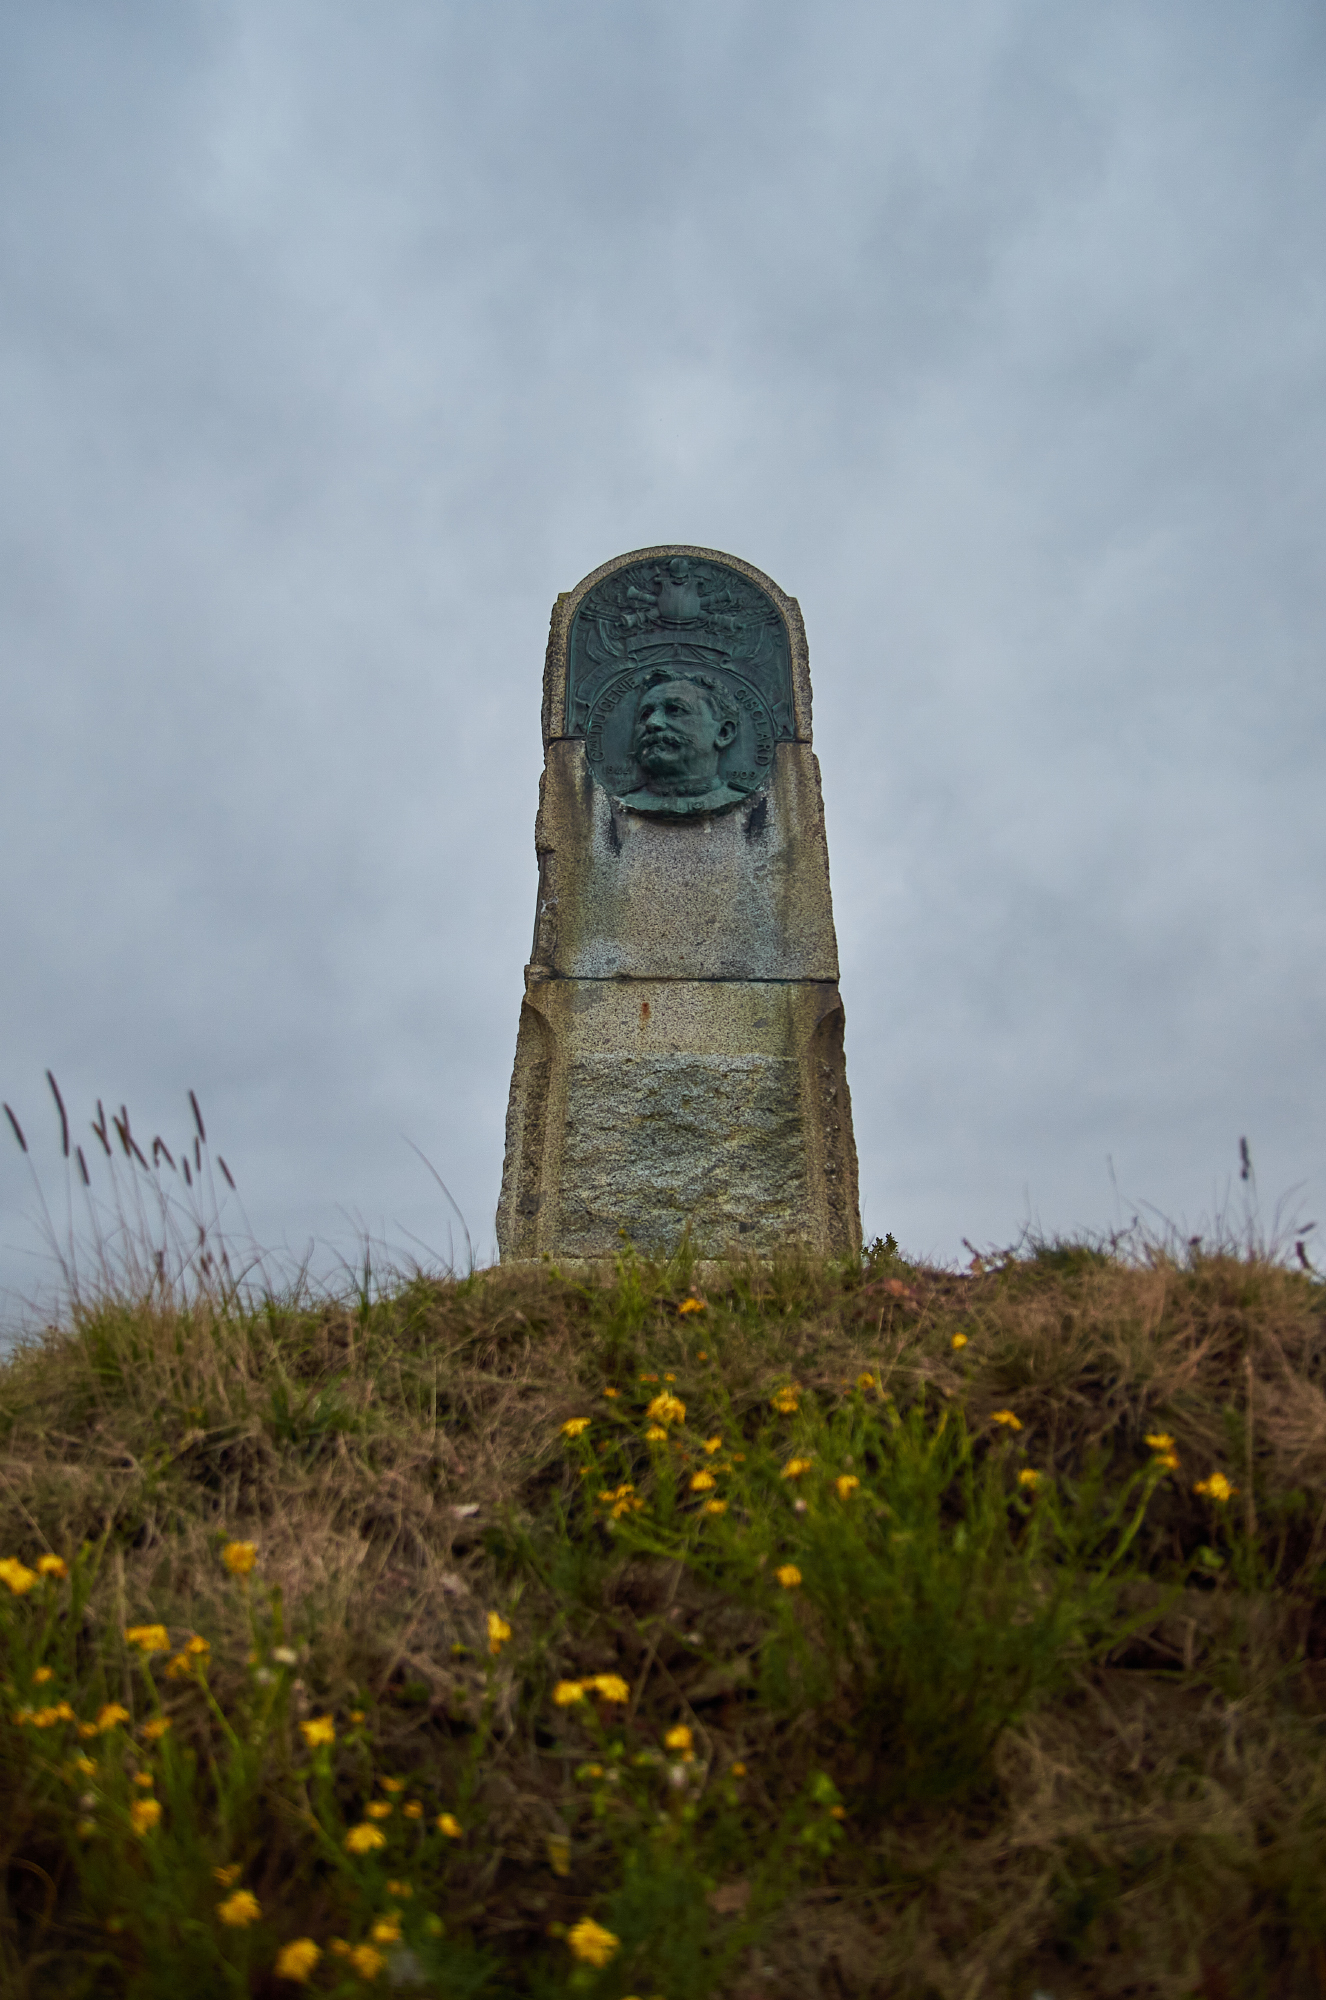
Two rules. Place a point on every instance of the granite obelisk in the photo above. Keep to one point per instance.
(679, 1059)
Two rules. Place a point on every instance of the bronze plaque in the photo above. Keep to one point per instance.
(679, 679)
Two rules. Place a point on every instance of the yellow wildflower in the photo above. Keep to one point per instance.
(225, 1876)
(498, 1633)
(448, 1823)
(356, 1716)
(648, 1378)
(693, 1305)
(1007, 1418)
(667, 1409)
(198, 1646)
(386, 1931)
(1217, 1487)
(88, 1729)
(156, 1728)
(1168, 1460)
(148, 1638)
(108, 1716)
(144, 1779)
(393, 1784)
(737, 1770)
(567, 1692)
(679, 1737)
(591, 1943)
(612, 1392)
(715, 1506)
(575, 1427)
(179, 1667)
(401, 1890)
(788, 1575)
(239, 1910)
(1029, 1477)
(713, 1444)
(52, 1566)
(379, 1809)
(864, 1382)
(703, 1482)
(958, 1342)
(786, 1401)
(795, 1467)
(319, 1729)
(17, 1575)
(363, 1839)
(656, 1435)
(1160, 1441)
(296, 1961)
(611, 1687)
(239, 1557)
(42, 1675)
(847, 1483)
(144, 1814)
(413, 1809)
(367, 1962)
(85, 1765)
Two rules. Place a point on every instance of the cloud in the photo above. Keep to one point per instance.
(333, 345)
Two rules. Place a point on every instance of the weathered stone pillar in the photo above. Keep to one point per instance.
(679, 1059)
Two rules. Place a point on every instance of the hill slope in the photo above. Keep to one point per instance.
(836, 1632)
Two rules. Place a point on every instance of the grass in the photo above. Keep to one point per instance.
(846, 1630)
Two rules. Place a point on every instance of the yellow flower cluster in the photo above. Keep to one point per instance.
(787, 1401)
(1007, 1418)
(795, 1467)
(788, 1575)
(591, 1943)
(847, 1483)
(693, 1305)
(609, 1687)
(297, 1961)
(624, 1500)
(575, 1427)
(239, 1557)
(148, 1638)
(144, 1814)
(667, 1409)
(498, 1633)
(17, 1575)
(1217, 1488)
(1161, 1445)
(318, 1730)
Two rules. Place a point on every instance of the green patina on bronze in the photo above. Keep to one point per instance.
(679, 678)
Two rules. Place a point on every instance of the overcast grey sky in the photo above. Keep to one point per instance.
(335, 340)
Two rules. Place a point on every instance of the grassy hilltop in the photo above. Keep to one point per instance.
(826, 1631)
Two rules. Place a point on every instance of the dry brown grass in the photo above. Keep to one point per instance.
(1157, 1830)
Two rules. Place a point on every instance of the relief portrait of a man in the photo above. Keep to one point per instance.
(683, 724)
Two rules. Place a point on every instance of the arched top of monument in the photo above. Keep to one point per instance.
(683, 609)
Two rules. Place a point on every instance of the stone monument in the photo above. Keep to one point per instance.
(679, 1060)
